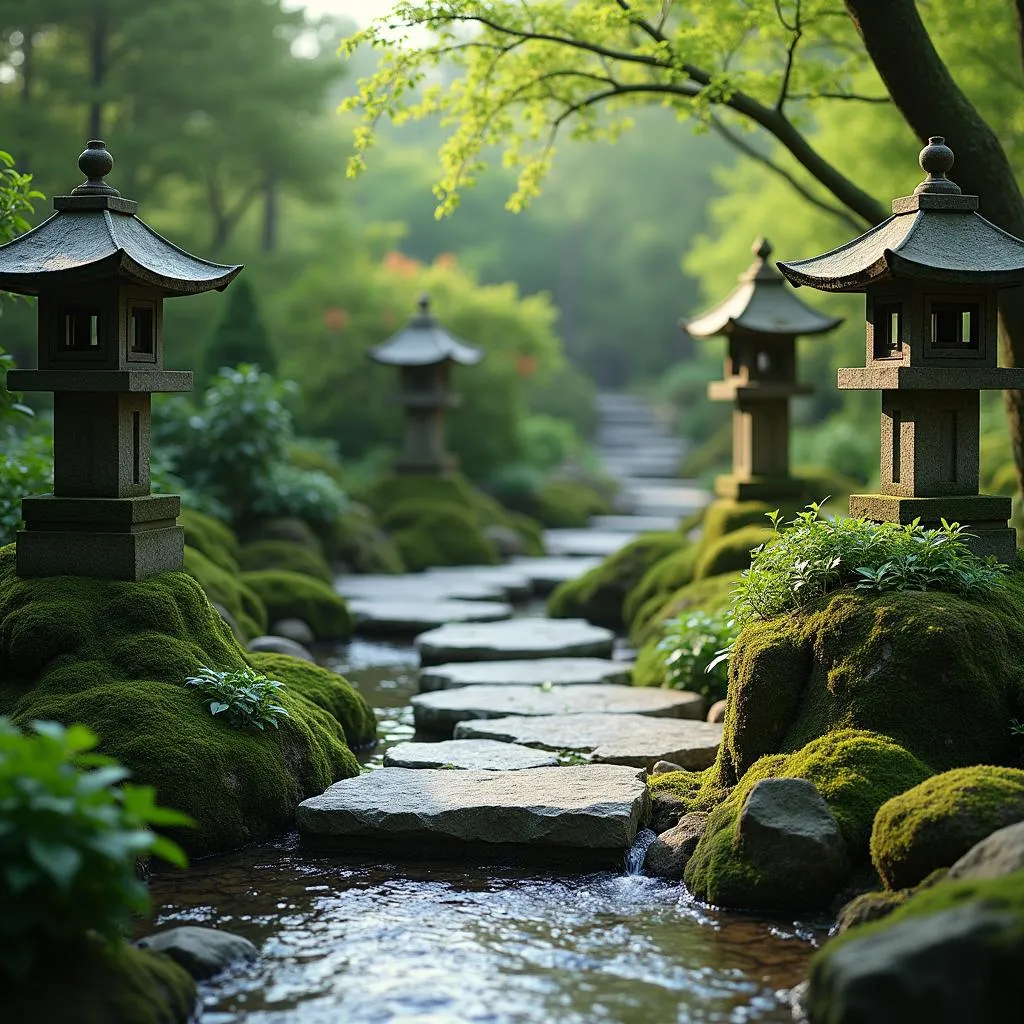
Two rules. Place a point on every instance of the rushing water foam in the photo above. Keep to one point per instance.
(637, 853)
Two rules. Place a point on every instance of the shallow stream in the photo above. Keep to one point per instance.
(346, 942)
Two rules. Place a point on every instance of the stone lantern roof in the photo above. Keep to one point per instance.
(935, 235)
(94, 235)
(424, 342)
(762, 303)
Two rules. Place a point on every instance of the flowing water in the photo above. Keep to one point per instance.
(344, 941)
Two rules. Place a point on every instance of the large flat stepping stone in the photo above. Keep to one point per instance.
(538, 672)
(547, 572)
(417, 587)
(512, 583)
(513, 640)
(481, 755)
(636, 740)
(589, 542)
(441, 711)
(596, 807)
(383, 617)
(636, 524)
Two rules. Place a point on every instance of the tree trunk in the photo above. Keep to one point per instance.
(932, 103)
(98, 70)
(269, 233)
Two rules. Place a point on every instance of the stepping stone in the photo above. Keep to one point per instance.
(441, 711)
(597, 807)
(513, 640)
(636, 740)
(383, 617)
(556, 671)
(489, 755)
(589, 542)
(417, 587)
(512, 583)
(549, 571)
(636, 524)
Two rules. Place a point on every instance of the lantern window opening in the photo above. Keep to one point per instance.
(81, 330)
(888, 329)
(141, 330)
(955, 326)
(136, 447)
(764, 362)
(896, 420)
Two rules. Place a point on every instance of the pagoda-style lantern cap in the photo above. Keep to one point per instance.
(761, 303)
(94, 235)
(935, 235)
(424, 342)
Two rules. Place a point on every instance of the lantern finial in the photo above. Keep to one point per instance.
(95, 163)
(423, 303)
(936, 159)
(761, 248)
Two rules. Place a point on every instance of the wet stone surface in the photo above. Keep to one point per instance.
(515, 639)
(406, 618)
(548, 571)
(538, 672)
(467, 754)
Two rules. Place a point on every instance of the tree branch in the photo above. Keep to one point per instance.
(852, 96)
(796, 34)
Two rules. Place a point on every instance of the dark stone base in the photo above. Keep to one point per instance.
(760, 488)
(985, 516)
(105, 538)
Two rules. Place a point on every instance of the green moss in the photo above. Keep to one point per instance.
(287, 528)
(289, 595)
(100, 983)
(211, 538)
(934, 824)
(725, 516)
(939, 673)
(598, 594)
(114, 656)
(731, 553)
(226, 589)
(568, 503)
(282, 554)
(324, 688)
(531, 532)
(708, 595)
(664, 577)
(430, 533)
(854, 771)
(357, 542)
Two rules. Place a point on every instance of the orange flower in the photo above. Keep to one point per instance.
(526, 364)
(446, 260)
(402, 265)
(336, 319)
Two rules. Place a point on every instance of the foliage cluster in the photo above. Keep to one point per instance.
(246, 699)
(692, 649)
(71, 831)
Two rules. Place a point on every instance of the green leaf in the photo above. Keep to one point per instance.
(59, 861)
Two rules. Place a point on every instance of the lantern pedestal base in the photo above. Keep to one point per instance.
(444, 466)
(104, 538)
(985, 515)
(760, 488)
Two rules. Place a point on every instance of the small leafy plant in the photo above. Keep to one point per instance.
(245, 698)
(70, 835)
(814, 555)
(695, 649)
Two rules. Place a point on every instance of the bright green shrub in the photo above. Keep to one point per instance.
(282, 554)
(290, 595)
(26, 468)
(693, 652)
(227, 589)
(246, 699)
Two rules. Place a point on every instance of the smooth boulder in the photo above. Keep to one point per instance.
(999, 854)
(279, 645)
(203, 952)
(669, 854)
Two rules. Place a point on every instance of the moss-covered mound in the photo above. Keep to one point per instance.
(934, 824)
(290, 595)
(663, 578)
(286, 528)
(598, 595)
(731, 553)
(223, 587)
(211, 538)
(530, 532)
(283, 554)
(430, 533)
(708, 595)
(854, 771)
(356, 543)
(939, 673)
(568, 503)
(325, 689)
(115, 655)
(101, 983)
(725, 516)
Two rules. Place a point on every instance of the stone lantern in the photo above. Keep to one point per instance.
(761, 319)
(424, 353)
(931, 274)
(100, 275)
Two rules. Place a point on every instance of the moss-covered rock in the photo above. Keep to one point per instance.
(710, 595)
(598, 595)
(568, 503)
(96, 982)
(325, 689)
(211, 538)
(934, 824)
(731, 553)
(430, 533)
(726, 516)
(530, 531)
(290, 595)
(286, 528)
(114, 656)
(671, 572)
(854, 771)
(224, 587)
(283, 554)
(357, 543)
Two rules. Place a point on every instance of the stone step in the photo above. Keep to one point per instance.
(547, 572)
(537, 672)
(636, 740)
(418, 586)
(586, 542)
(385, 617)
(514, 640)
(467, 755)
(636, 524)
(440, 712)
(598, 807)
(514, 583)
